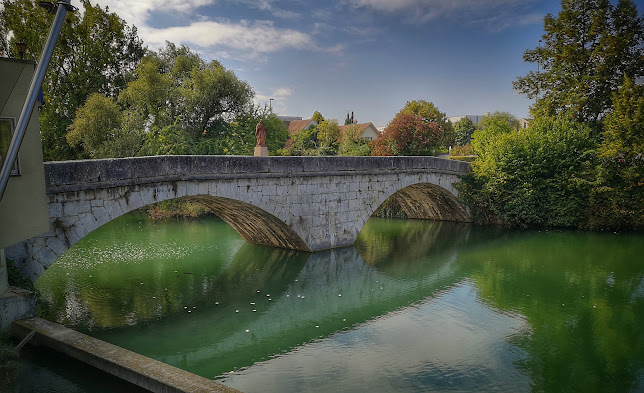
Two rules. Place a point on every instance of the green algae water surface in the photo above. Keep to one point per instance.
(413, 306)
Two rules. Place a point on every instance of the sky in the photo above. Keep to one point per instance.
(365, 56)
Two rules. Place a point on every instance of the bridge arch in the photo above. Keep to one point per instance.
(253, 224)
(426, 201)
(422, 196)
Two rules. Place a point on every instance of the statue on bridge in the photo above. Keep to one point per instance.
(260, 133)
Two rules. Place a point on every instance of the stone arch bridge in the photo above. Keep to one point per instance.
(303, 203)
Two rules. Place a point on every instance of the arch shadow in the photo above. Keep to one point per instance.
(253, 224)
(427, 201)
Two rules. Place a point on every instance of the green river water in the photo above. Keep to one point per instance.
(413, 306)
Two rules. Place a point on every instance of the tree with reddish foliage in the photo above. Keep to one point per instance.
(408, 135)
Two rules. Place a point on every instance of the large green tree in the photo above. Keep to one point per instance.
(176, 86)
(463, 130)
(587, 49)
(95, 53)
(618, 198)
(176, 103)
(99, 129)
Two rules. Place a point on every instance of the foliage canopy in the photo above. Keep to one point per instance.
(80, 64)
(587, 49)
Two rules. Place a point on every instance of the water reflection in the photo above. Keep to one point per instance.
(449, 342)
(217, 310)
(582, 297)
(415, 305)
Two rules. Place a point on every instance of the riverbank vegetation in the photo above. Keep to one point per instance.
(580, 162)
(175, 208)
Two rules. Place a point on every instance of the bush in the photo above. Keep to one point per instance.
(536, 177)
(463, 158)
(465, 150)
(390, 209)
(176, 208)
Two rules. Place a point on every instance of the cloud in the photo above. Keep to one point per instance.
(267, 5)
(241, 40)
(322, 14)
(137, 12)
(279, 97)
(504, 13)
(500, 22)
(252, 38)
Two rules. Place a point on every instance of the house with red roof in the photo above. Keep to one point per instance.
(296, 126)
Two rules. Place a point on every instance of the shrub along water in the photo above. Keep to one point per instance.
(540, 176)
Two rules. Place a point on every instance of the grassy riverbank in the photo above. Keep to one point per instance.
(176, 208)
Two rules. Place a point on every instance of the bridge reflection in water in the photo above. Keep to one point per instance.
(425, 306)
(219, 309)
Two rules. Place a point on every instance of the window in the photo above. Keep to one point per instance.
(6, 132)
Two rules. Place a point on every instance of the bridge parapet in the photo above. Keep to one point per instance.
(66, 176)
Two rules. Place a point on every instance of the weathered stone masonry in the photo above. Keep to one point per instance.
(304, 203)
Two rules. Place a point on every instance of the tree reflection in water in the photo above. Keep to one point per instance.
(184, 292)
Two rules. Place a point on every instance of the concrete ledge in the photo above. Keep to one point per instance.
(127, 365)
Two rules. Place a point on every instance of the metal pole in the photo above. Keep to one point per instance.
(36, 82)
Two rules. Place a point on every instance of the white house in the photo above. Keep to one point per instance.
(364, 130)
(475, 118)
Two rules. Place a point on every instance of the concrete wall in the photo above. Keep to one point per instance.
(305, 203)
(23, 208)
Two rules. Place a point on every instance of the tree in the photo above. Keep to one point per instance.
(490, 129)
(463, 130)
(618, 199)
(349, 119)
(176, 86)
(98, 127)
(352, 145)
(317, 117)
(150, 94)
(176, 96)
(95, 53)
(303, 143)
(586, 51)
(428, 112)
(408, 135)
(212, 93)
(329, 134)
